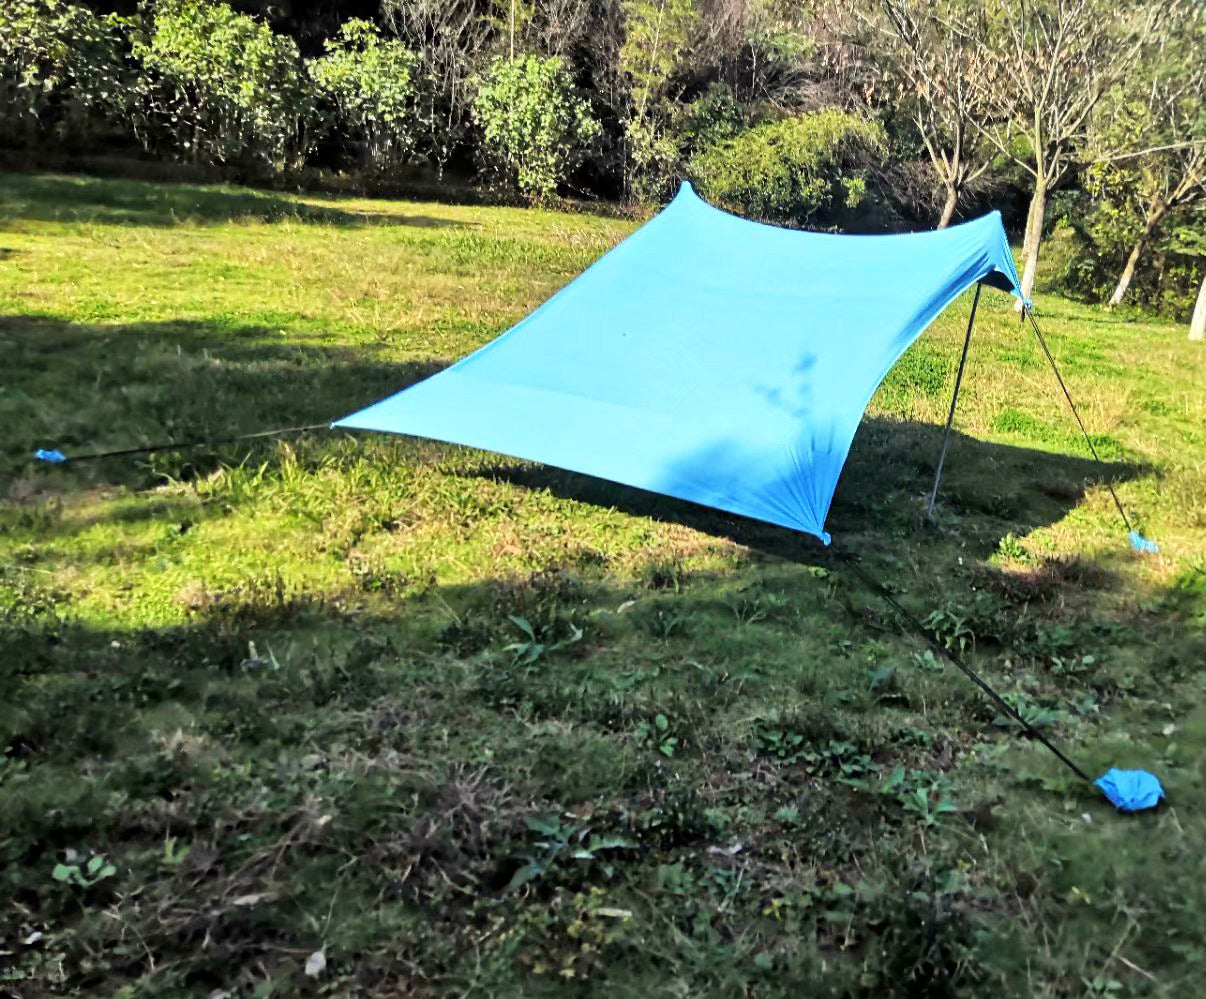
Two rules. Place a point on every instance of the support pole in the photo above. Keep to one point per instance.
(950, 417)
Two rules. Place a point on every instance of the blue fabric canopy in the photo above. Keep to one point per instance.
(707, 358)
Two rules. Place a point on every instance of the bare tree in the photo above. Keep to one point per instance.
(451, 39)
(1047, 66)
(563, 23)
(551, 27)
(1167, 117)
(929, 49)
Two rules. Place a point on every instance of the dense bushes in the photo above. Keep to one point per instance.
(217, 87)
(368, 84)
(203, 83)
(534, 127)
(61, 70)
(795, 170)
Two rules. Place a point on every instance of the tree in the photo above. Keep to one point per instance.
(369, 83)
(1163, 110)
(655, 47)
(219, 87)
(927, 47)
(1047, 66)
(534, 126)
(450, 38)
(60, 69)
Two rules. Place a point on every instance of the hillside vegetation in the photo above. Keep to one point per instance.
(358, 715)
(850, 115)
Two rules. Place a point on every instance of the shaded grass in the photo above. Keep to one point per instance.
(473, 726)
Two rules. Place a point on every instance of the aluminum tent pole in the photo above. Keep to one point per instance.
(950, 417)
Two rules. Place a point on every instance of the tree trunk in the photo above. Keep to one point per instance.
(1034, 236)
(948, 210)
(1197, 325)
(1154, 216)
(1027, 231)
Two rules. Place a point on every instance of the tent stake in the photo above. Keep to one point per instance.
(950, 417)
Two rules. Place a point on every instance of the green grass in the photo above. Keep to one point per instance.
(471, 726)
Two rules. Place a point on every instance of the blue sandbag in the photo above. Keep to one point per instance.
(1131, 790)
(1142, 545)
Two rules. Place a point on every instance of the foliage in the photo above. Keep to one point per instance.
(83, 875)
(368, 82)
(61, 68)
(712, 117)
(657, 34)
(219, 87)
(811, 169)
(1092, 240)
(534, 126)
(936, 78)
(449, 39)
(558, 843)
(534, 648)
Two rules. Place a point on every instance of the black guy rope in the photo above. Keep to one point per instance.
(1138, 541)
(57, 458)
(1075, 412)
(882, 592)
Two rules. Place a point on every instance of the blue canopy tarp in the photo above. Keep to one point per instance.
(707, 358)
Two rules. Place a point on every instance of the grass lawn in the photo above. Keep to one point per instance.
(461, 725)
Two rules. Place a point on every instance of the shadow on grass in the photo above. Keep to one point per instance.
(987, 491)
(83, 388)
(50, 198)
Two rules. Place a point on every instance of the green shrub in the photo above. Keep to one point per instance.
(61, 69)
(713, 117)
(797, 170)
(219, 87)
(369, 84)
(1089, 247)
(534, 126)
(657, 50)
